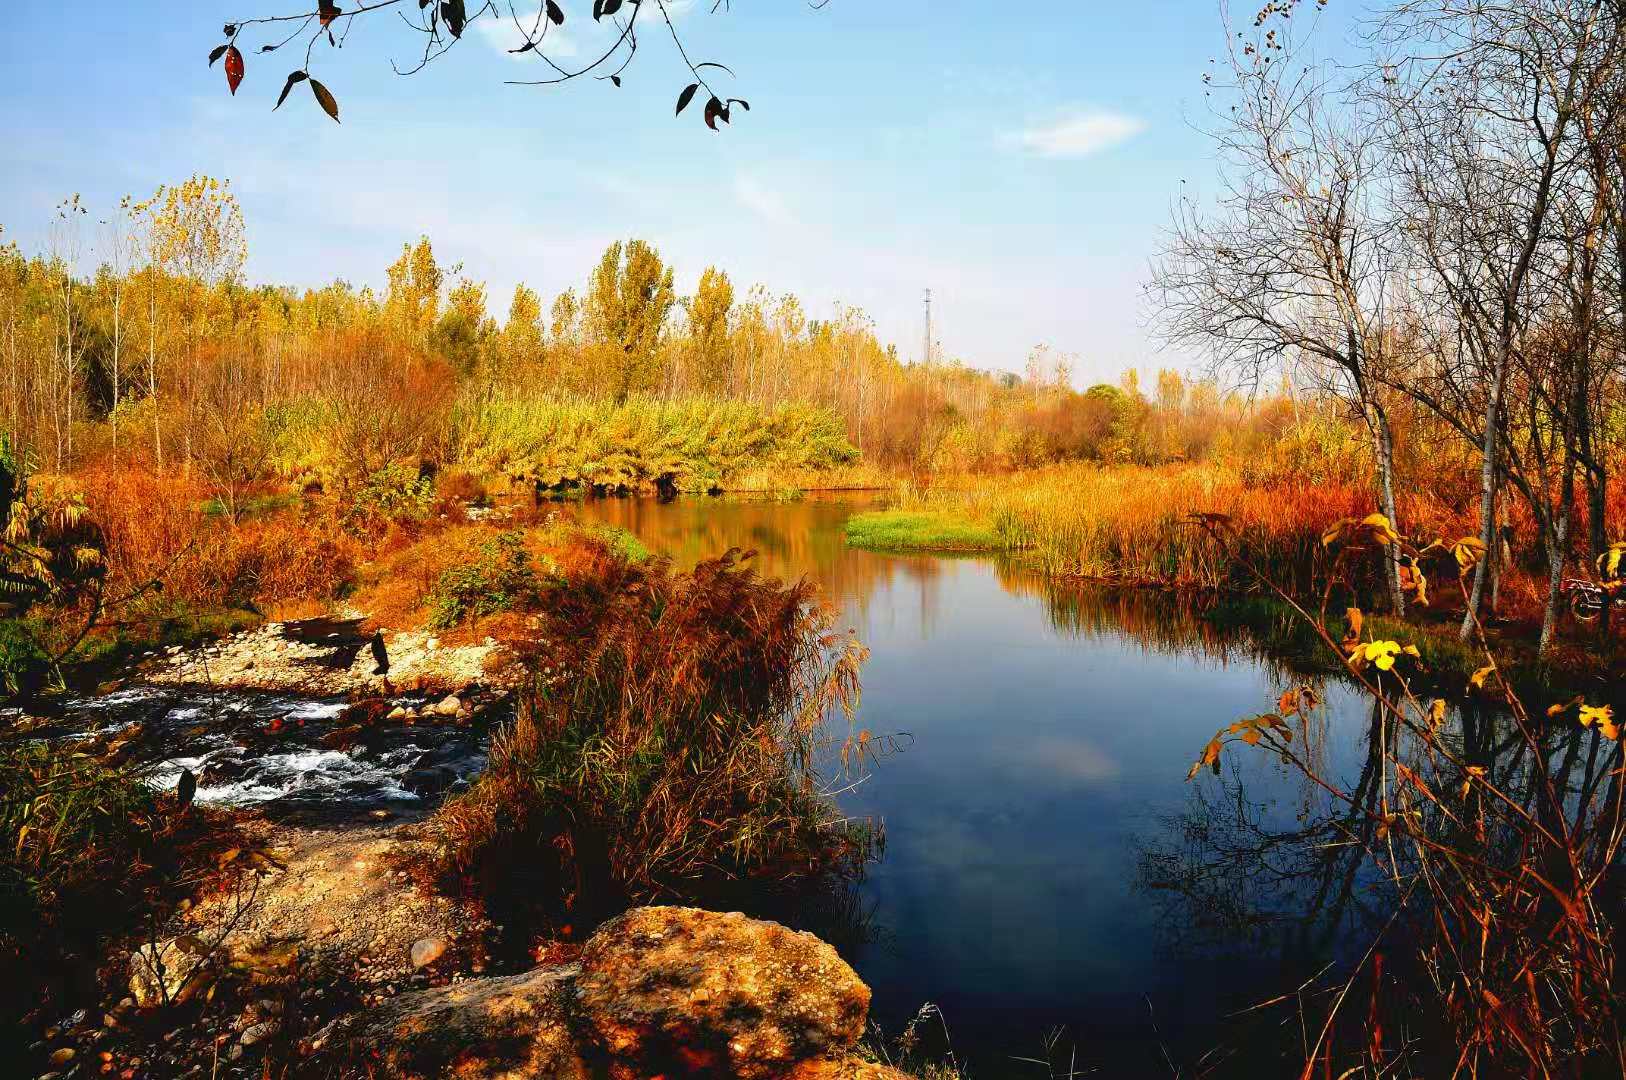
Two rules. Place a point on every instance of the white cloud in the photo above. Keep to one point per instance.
(502, 35)
(765, 202)
(1077, 132)
(564, 40)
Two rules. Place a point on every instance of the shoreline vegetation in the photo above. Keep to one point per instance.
(1141, 528)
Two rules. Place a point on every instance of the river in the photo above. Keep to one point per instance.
(1047, 865)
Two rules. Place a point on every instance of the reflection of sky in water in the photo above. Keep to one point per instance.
(1040, 758)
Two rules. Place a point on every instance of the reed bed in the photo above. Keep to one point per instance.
(1133, 525)
(693, 445)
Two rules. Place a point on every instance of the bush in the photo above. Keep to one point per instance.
(394, 494)
(66, 822)
(674, 751)
(501, 578)
(691, 445)
(23, 664)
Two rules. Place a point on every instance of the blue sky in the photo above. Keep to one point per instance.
(1021, 166)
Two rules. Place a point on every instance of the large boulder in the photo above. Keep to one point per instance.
(682, 991)
(674, 992)
(511, 1028)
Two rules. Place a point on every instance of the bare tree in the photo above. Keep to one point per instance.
(1292, 259)
(1484, 101)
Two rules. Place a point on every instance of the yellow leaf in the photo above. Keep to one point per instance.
(1478, 678)
(1337, 532)
(1382, 654)
(1468, 551)
(1609, 562)
(1603, 716)
(1378, 528)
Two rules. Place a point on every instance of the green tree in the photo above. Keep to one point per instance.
(628, 300)
(464, 331)
(412, 301)
(708, 311)
(518, 349)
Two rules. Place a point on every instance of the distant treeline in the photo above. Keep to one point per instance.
(135, 341)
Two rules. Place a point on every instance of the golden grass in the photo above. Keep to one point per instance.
(1132, 524)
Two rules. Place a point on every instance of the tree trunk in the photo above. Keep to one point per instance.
(1487, 496)
(1558, 534)
(152, 370)
(1386, 481)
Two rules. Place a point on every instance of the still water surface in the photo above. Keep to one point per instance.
(1047, 864)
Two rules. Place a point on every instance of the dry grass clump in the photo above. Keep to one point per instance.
(668, 747)
(87, 848)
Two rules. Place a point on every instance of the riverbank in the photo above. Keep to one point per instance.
(1129, 527)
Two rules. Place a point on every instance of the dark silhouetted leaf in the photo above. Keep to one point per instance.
(216, 53)
(555, 14)
(327, 11)
(325, 98)
(230, 29)
(454, 15)
(268, 48)
(527, 47)
(686, 97)
(616, 79)
(741, 102)
(715, 111)
(234, 68)
(293, 77)
(719, 67)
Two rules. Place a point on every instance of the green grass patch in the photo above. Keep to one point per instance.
(109, 648)
(919, 530)
(253, 506)
(624, 542)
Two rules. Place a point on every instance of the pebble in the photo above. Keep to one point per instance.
(252, 1035)
(426, 951)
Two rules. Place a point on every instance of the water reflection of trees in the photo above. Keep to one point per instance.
(1168, 623)
(797, 538)
(1303, 890)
